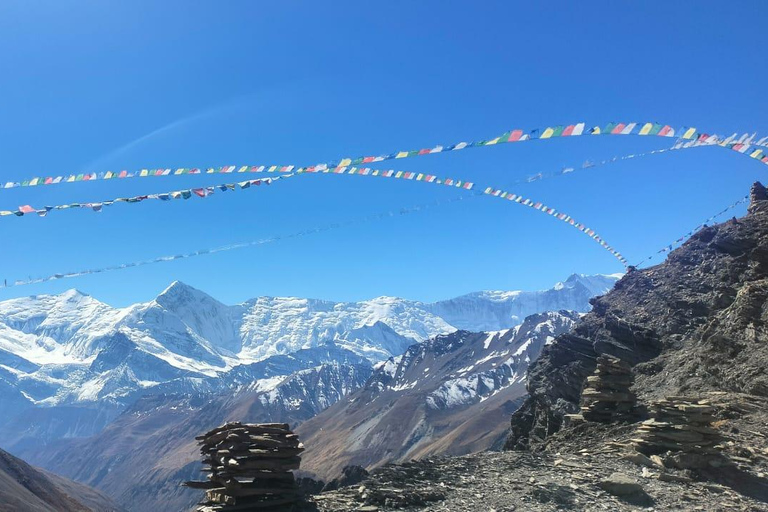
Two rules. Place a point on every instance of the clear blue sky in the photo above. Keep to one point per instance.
(244, 82)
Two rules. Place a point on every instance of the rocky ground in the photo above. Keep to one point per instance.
(587, 467)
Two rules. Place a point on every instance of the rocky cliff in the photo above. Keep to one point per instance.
(695, 323)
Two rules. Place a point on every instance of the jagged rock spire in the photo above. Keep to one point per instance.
(758, 198)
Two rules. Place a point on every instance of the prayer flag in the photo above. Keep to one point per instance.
(628, 129)
(646, 129)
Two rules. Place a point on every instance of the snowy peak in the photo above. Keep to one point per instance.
(179, 294)
(596, 284)
(202, 314)
(497, 310)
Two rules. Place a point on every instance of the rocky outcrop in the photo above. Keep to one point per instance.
(696, 322)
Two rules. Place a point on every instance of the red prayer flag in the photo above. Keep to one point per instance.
(515, 135)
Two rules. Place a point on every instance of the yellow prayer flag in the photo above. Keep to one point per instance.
(547, 133)
(345, 162)
(689, 133)
(646, 129)
(493, 141)
(402, 154)
(144, 172)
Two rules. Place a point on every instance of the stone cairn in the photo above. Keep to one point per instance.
(606, 398)
(249, 467)
(682, 425)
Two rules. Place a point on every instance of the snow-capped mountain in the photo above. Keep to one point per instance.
(71, 356)
(449, 395)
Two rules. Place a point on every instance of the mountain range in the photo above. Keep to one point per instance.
(94, 391)
(438, 397)
(70, 364)
(449, 395)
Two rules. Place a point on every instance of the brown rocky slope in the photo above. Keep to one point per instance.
(28, 489)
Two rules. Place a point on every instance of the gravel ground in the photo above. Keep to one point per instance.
(580, 468)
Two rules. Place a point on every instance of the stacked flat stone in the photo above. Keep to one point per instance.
(606, 397)
(678, 424)
(249, 467)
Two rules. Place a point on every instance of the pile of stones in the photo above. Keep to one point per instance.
(680, 424)
(249, 467)
(606, 397)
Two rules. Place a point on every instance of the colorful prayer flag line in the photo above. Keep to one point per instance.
(517, 135)
(361, 171)
(165, 196)
(242, 245)
(690, 233)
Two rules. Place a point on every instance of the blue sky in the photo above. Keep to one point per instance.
(195, 84)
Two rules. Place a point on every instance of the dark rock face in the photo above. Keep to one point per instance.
(696, 322)
(350, 475)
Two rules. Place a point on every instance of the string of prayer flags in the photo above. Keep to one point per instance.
(668, 248)
(162, 259)
(358, 171)
(744, 144)
(166, 196)
(558, 215)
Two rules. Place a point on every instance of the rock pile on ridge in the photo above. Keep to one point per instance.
(680, 424)
(606, 398)
(249, 467)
